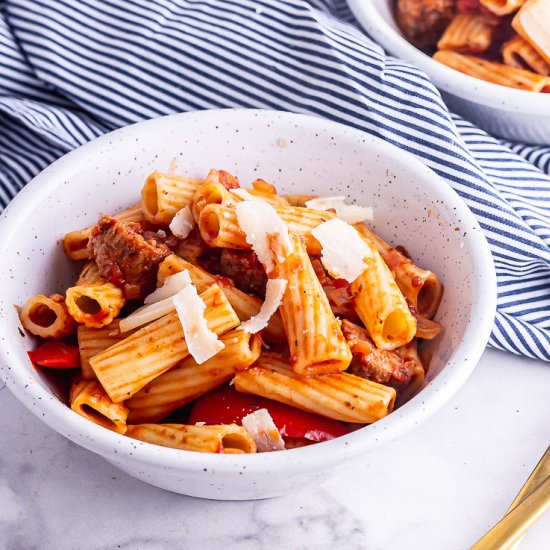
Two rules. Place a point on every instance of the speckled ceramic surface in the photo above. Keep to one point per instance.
(506, 112)
(300, 154)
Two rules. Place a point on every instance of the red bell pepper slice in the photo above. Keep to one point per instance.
(226, 405)
(55, 354)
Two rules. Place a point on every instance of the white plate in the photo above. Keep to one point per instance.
(502, 111)
(300, 154)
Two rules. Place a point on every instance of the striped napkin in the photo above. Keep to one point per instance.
(71, 70)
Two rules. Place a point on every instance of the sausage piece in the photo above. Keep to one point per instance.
(423, 21)
(126, 256)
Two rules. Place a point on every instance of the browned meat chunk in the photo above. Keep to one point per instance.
(245, 269)
(384, 367)
(125, 257)
(338, 292)
(161, 237)
(423, 21)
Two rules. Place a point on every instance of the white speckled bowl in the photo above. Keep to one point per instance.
(298, 153)
(506, 112)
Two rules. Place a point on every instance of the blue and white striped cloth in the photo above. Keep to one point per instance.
(71, 70)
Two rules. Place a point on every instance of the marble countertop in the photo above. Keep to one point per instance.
(439, 487)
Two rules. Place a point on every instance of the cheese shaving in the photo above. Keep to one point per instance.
(274, 292)
(261, 427)
(146, 314)
(344, 250)
(201, 342)
(183, 222)
(259, 221)
(350, 213)
(172, 285)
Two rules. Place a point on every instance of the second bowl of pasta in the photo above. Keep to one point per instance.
(479, 54)
(230, 304)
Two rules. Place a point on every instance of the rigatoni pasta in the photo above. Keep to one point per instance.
(498, 73)
(315, 340)
(229, 439)
(518, 53)
(340, 396)
(93, 301)
(467, 33)
(47, 317)
(421, 288)
(163, 195)
(89, 400)
(276, 322)
(380, 304)
(91, 341)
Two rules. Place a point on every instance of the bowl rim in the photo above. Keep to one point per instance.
(114, 446)
(446, 78)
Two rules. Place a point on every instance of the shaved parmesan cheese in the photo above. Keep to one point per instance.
(172, 285)
(182, 223)
(344, 250)
(146, 314)
(350, 213)
(259, 221)
(201, 342)
(261, 427)
(274, 292)
(245, 195)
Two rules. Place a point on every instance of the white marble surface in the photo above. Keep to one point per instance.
(440, 487)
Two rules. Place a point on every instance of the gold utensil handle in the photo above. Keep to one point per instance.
(541, 471)
(538, 475)
(511, 528)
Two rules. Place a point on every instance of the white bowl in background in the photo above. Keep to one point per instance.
(502, 111)
(300, 154)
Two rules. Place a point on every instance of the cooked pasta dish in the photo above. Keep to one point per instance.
(506, 42)
(216, 318)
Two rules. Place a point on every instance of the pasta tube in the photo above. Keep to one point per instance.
(220, 187)
(92, 301)
(517, 52)
(75, 243)
(209, 192)
(93, 340)
(227, 438)
(188, 380)
(315, 339)
(163, 195)
(497, 73)
(244, 304)
(126, 367)
(89, 400)
(219, 227)
(421, 288)
(380, 304)
(467, 33)
(47, 317)
(340, 396)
